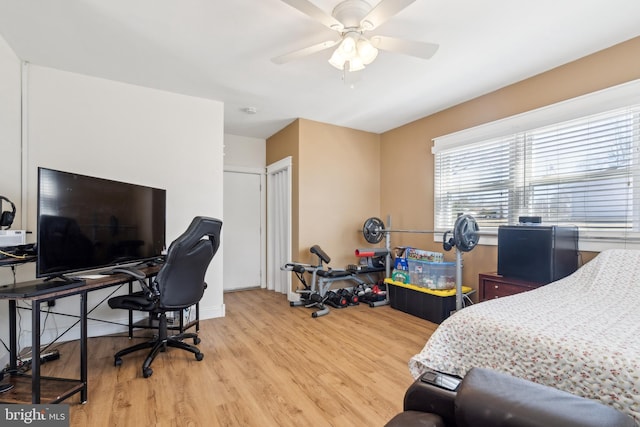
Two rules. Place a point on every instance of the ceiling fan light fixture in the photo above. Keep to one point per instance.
(366, 51)
(352, 19)
(337, 59)
(354, 64)
(353, 53)
(348, 45)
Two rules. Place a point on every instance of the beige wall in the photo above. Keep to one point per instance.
(342, 176)
(407, 148)
(339, 188)
(336, 186)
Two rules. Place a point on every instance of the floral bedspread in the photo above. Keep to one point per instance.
(580, 334)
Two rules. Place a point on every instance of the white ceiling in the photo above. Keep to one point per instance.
(221, 49)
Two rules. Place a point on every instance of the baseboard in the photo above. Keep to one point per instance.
(212, 312)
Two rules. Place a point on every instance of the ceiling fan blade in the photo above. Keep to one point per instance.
(422, 50)
(310, 9)
(304, 52)
(382, 12)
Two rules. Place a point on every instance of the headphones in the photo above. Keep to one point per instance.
(6, 218)
(447, 245)
(465, 234)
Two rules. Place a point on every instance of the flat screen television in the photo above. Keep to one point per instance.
(88, 223)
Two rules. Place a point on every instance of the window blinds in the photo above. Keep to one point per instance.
(582, 172)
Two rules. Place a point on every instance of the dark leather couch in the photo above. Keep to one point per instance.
(487, 398)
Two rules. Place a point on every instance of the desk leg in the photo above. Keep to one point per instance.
(83, 346)
(130, 312)
(13, 336)
(198, 317)
(35, 352)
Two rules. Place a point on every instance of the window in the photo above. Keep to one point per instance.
(582, 171)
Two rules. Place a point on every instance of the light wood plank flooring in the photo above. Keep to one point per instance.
(266, 364)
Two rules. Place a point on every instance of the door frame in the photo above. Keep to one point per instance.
(285, 164)
(263, 214)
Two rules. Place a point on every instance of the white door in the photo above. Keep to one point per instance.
(243, 207)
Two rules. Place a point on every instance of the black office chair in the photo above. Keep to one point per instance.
(179, 284)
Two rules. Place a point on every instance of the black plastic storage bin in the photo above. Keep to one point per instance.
(428, 305)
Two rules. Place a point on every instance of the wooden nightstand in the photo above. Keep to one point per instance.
(492, 285)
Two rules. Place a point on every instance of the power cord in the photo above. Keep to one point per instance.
(10, 255)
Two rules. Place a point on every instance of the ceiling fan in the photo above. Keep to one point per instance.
(352, 19)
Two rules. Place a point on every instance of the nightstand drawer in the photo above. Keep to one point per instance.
(496, 290)
(493, 286)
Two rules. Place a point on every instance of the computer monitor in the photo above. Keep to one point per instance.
(88, 223)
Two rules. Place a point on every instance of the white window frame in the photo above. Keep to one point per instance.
(619, 96)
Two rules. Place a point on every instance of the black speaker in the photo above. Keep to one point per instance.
(6, 218)
(530, 219)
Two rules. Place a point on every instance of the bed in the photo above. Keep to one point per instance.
(580, 334)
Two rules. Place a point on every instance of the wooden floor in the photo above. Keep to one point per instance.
(265, 364)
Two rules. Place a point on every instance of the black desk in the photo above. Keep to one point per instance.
(51, 389)
(11, 261)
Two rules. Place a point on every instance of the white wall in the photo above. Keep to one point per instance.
(10, 167)
(128, 133)
(10, 129)
(244, 151)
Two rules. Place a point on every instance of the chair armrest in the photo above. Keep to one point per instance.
(424, 396)
(489, 398)
(416, 419)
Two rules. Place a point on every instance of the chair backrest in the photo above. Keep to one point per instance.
(180, 281)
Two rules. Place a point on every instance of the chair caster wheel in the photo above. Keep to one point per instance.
(196, 340)
(199, 356)
(117, 361)
(147, 372)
